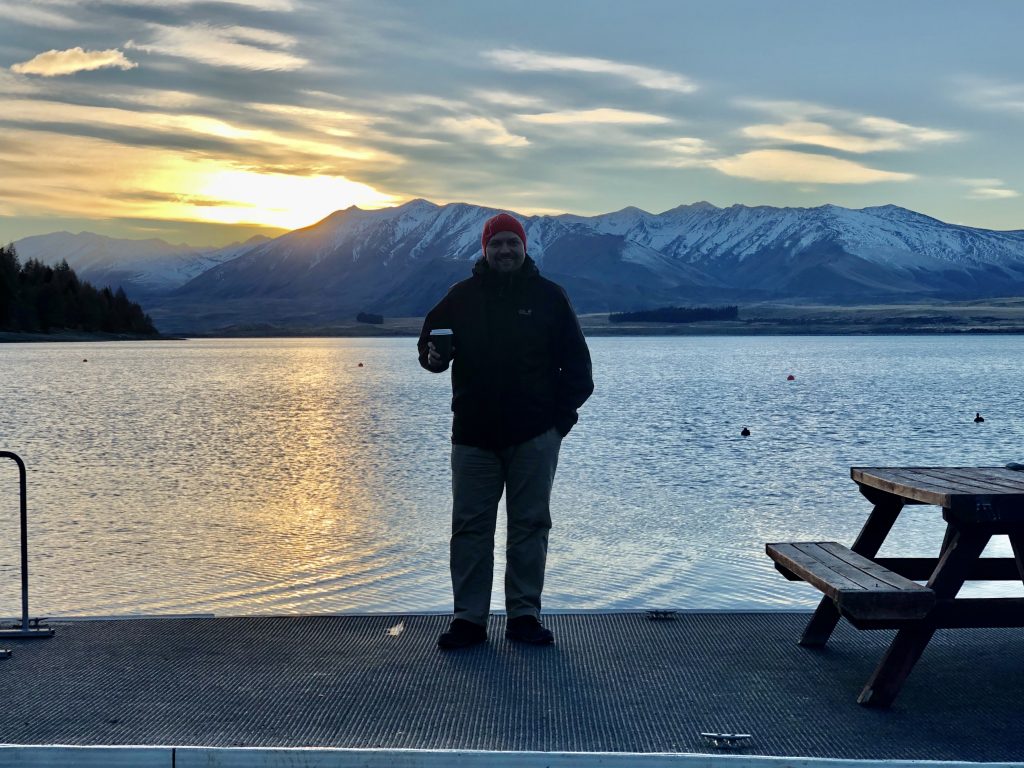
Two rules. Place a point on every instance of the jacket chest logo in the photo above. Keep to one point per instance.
(525, 312)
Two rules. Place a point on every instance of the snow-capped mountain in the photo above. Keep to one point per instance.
(400, 261)
(887, 234)
(141, 267)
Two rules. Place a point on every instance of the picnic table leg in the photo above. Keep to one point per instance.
(887, 508)
(1017, 542)
(963, 550)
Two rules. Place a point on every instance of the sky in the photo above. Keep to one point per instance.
(209, 122)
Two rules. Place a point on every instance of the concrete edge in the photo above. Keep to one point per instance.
(59, 756)
(553, 612)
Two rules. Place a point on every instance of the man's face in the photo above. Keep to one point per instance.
(505, 252)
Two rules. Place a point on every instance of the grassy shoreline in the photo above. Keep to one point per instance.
(997, 316)
(16, 337)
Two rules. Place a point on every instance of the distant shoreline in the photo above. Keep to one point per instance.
(20, 337)
(995, 316)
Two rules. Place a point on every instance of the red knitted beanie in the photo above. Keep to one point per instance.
(502, 223)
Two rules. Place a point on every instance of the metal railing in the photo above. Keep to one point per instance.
(28, 627)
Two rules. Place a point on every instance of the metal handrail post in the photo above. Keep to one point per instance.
(25, 630)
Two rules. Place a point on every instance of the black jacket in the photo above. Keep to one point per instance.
(521, 364)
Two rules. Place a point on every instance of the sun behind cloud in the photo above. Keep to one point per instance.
(277, 200)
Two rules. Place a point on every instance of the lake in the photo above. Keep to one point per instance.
(274, 476)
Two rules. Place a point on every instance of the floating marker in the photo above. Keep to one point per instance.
(360, 365)
(745, 432)
(791, 377)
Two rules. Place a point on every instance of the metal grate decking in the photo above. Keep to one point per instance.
(611, 683)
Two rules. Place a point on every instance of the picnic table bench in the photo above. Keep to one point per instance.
(882, 593)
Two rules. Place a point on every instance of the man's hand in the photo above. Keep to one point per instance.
(434, 360)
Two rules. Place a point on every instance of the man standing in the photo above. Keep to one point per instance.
(520, 370)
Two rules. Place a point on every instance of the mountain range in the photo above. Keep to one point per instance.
(399, 261)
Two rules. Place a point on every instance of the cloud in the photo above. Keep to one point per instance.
(11, 85)
(259, 5)
(508, 99)
(987, 193)
(988, 94)
(816, 134)
(592, 116)
(177, 130)
(56, 63)
(482, 130)
(788, 166)
(805, 124)
(161, 99)
(645, 77)
(907, 134)
(92, 177)
(680, 152)
(988, 189)
(36, 16)
(235, 47)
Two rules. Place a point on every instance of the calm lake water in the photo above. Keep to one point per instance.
(277, 476)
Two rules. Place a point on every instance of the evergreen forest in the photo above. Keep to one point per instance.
(36, 298)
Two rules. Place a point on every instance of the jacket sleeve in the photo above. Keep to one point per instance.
(438, 317)
(575, 373)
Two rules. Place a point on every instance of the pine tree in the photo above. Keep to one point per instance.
(37, 298)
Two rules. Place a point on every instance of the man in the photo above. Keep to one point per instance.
(520, 370)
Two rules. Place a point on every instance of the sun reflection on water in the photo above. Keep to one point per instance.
(278, 476)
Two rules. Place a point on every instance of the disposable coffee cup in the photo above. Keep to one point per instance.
(443, 338)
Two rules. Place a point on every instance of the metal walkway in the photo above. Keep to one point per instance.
(613, 682)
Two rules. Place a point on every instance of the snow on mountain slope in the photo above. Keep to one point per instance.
(393, 257)
(145, 266)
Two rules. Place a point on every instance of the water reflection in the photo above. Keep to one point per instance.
(273, 476)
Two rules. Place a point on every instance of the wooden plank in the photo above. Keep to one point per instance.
(963, 484)
(998, 482)
(826, 616)
(883, 479)
(996, 474)
(878, 572)
(964, 481)
(810, 570)
(932, 477)
(994, 507)
(819, 551)
(854, 591)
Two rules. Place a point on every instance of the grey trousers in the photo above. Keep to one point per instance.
(525, 473)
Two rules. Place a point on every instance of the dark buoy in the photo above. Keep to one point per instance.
(745, 432)
(84, 360)
(360, 365)
(791, 377)
(978, 418)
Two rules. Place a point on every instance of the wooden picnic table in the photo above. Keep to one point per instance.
(873, 592)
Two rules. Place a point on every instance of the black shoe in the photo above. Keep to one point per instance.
(528, 629)
(462, 634)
